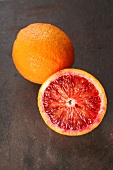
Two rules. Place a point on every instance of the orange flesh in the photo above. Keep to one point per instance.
(71, 102)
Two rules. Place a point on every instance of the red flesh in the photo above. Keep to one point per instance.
(71, 102)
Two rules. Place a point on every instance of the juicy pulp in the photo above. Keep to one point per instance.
(71, 102)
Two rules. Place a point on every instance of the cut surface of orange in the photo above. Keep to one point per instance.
(72, 102)
(40, 50)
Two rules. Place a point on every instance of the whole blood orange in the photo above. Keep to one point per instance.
(40, 50)
(72, 102)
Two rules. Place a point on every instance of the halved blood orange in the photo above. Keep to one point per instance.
(72, 102)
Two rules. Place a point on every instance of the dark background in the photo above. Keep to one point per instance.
(26, 143)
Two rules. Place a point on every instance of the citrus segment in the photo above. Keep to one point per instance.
(40, 50)
(72, 102)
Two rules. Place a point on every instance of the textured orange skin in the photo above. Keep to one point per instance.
(98, 86)
(41, 50)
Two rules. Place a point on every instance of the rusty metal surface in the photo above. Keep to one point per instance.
(26, 143)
